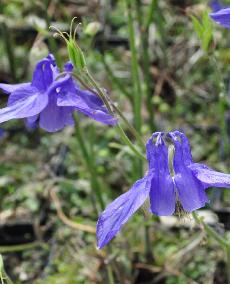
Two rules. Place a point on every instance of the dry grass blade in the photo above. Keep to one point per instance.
(65, 219)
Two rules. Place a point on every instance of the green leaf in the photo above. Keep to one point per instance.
(204, 29)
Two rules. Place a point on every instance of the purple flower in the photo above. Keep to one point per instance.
(216, 5)
(185, 188)
(220, 14)
(49, 102)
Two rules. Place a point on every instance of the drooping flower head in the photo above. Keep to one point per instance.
(220, 14)
(50, 101)
(184, 185)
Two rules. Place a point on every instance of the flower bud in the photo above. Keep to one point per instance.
(76, 55)
(92, 28)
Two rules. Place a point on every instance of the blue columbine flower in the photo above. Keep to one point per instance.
(50, 102)
(220, 14)
(185, 187)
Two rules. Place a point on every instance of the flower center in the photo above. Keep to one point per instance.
(179, 210)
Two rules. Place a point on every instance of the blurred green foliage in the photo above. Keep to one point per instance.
(184, 96)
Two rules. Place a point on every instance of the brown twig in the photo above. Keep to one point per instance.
(65, 219)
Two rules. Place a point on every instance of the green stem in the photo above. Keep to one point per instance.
(150, 15)
(134, 68)
(126, 140)
(220, 240)
(9, 47)
(212, 233)
(115, 80)
(90, 165)
(6, 277)
(110, 274)
(22, 247)
(130, 127)
(228, 264)
(144, 32)
(99, 91)
(221, 104)
(119, 128)
(94, 181)
(3, 274)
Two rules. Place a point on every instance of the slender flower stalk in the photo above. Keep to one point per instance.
(110, 104)
(134, 68)
(221, 14)
(222, 103)
(212, 233)
(116, 80)
(98, 89)
(137, 92)
(219, 239)
(228, 263)
(120, 130)
(9, 48)
(144, 40)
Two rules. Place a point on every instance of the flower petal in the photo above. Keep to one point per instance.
(24, 103)
(99, 115)
(43, 75)
(185, 145)
(53, 118)
(222, 17)
(9, 88)
(215, 5)
(162, 194)
(190, 190)
(120, 210)
(85, 102)
(208, 177)
(150, 150)
(32, 122)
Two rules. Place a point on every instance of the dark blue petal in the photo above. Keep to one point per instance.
(43, 75)
(150, 150)
(120, 210)
(32, 122)
(191, 191)
(24, 102)
(222, 17)
(185, 145)
(162, 193)
(208, 177)
(68, 67)
(53, 118)
(83, 101)
(51, 58)
(9, 88)
(215, 5)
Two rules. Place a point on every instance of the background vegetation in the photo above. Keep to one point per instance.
(48, 195)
